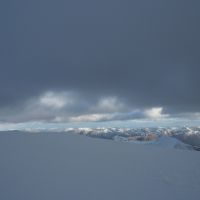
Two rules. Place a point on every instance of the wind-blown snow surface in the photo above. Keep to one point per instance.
(49, 166)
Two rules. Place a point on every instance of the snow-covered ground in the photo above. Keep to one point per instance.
(49, 166)
(187, 138)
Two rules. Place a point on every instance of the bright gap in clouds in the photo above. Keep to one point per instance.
(155, 113)
(51, 99)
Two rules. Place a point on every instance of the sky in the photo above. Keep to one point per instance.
(99, 61)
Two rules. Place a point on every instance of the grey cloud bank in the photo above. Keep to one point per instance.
(77, 110)
(72, 107)
(136, 56)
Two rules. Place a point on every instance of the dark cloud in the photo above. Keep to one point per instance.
(144, 52)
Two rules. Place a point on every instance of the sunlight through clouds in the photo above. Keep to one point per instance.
(55, 100)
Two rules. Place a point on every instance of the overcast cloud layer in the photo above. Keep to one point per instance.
(99, 60)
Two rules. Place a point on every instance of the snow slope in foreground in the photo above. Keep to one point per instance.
(64, 166)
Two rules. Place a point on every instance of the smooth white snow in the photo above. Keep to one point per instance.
(57, 166)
